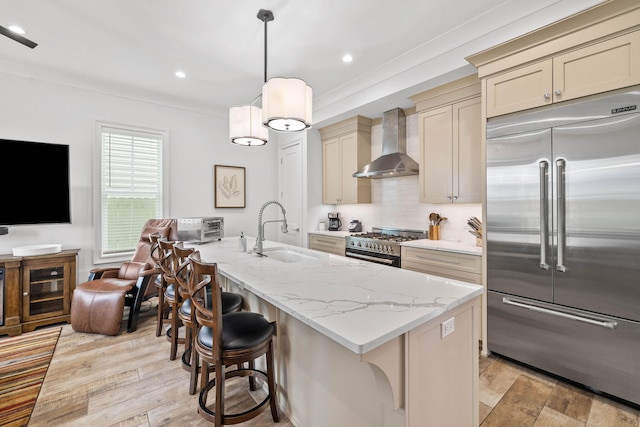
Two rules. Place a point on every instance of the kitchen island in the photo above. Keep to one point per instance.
(360, 344)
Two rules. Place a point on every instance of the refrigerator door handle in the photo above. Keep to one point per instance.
(608, 324)
(544, 214)
(560, 190)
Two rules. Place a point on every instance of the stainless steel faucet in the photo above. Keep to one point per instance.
(258, 247)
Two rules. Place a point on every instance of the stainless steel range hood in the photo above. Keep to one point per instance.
(394, 160)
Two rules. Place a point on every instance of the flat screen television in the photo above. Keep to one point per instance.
(35, 183)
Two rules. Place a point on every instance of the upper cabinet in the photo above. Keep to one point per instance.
(450, 142)
(346, 147)
(592, 52)
(608, 65)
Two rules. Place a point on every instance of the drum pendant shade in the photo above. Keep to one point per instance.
(245, 126)
(287, 104)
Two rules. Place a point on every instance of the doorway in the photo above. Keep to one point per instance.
(292, 181)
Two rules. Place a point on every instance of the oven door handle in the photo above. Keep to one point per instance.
(369, 258)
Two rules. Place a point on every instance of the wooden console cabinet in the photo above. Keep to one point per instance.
(37, 290)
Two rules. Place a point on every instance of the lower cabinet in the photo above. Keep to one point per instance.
(445, 264)
(44, 284)
(330, 244)
(452, 265)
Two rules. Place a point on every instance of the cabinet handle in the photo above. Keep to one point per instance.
(26, 294)
(558, 92)
(547, 96)
(605, 323)
(328, 242)
(448, 197)
(432, 258)
(455, 197)
(560, 201)
(54, 273)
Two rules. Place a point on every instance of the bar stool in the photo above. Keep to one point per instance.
(165, 263)
(231, 302)
(230, 340)
(174, 295)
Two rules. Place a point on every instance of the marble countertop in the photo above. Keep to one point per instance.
(358, 304)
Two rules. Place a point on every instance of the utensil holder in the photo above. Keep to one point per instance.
(434, 232)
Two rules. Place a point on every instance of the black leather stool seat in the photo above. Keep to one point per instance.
(230, 302)
(240, 330)
(170, 290)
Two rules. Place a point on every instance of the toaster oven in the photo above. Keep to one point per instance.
(200, 230)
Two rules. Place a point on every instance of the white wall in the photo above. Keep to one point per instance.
(395, 201)
(39, 111)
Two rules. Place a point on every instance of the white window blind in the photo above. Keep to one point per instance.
(131, 186)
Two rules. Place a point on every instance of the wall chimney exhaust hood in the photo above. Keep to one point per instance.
(394, 160)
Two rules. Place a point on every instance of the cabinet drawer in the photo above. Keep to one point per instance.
(443, 272)
(441, 261)
(332, 245)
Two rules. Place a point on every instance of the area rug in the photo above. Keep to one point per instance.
(24, 361)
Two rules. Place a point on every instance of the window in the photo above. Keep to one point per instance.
(130, 186)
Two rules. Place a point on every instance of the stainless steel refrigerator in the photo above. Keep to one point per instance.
(563, 240)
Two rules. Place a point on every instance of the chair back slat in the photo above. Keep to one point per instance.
(182, 268)
(203, 275)
(167, 260)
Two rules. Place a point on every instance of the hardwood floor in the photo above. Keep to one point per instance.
(128, 380)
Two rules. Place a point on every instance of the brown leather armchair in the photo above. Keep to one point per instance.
(98, 304)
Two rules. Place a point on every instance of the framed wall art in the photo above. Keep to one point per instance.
(230, 186)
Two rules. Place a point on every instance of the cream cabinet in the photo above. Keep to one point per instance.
(346, 147)
(442, 263)
(450, 153)
(600, 67)
(324, 243)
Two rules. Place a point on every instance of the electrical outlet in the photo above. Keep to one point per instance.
(447, 327)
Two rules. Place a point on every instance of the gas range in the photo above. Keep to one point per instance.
(381, 244)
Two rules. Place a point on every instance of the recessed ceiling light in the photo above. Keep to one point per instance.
(347, 58)
(16, 29)
(180, 74)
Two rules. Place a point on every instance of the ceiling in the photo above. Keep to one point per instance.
(133, 48)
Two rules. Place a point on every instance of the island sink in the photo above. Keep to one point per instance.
(286, 255)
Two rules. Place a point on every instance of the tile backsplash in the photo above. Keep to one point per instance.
(395, 201)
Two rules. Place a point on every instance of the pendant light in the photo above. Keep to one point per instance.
(245, 126)
(286, 102)
(245, 122)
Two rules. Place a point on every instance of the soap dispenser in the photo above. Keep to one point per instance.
(242, 244)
